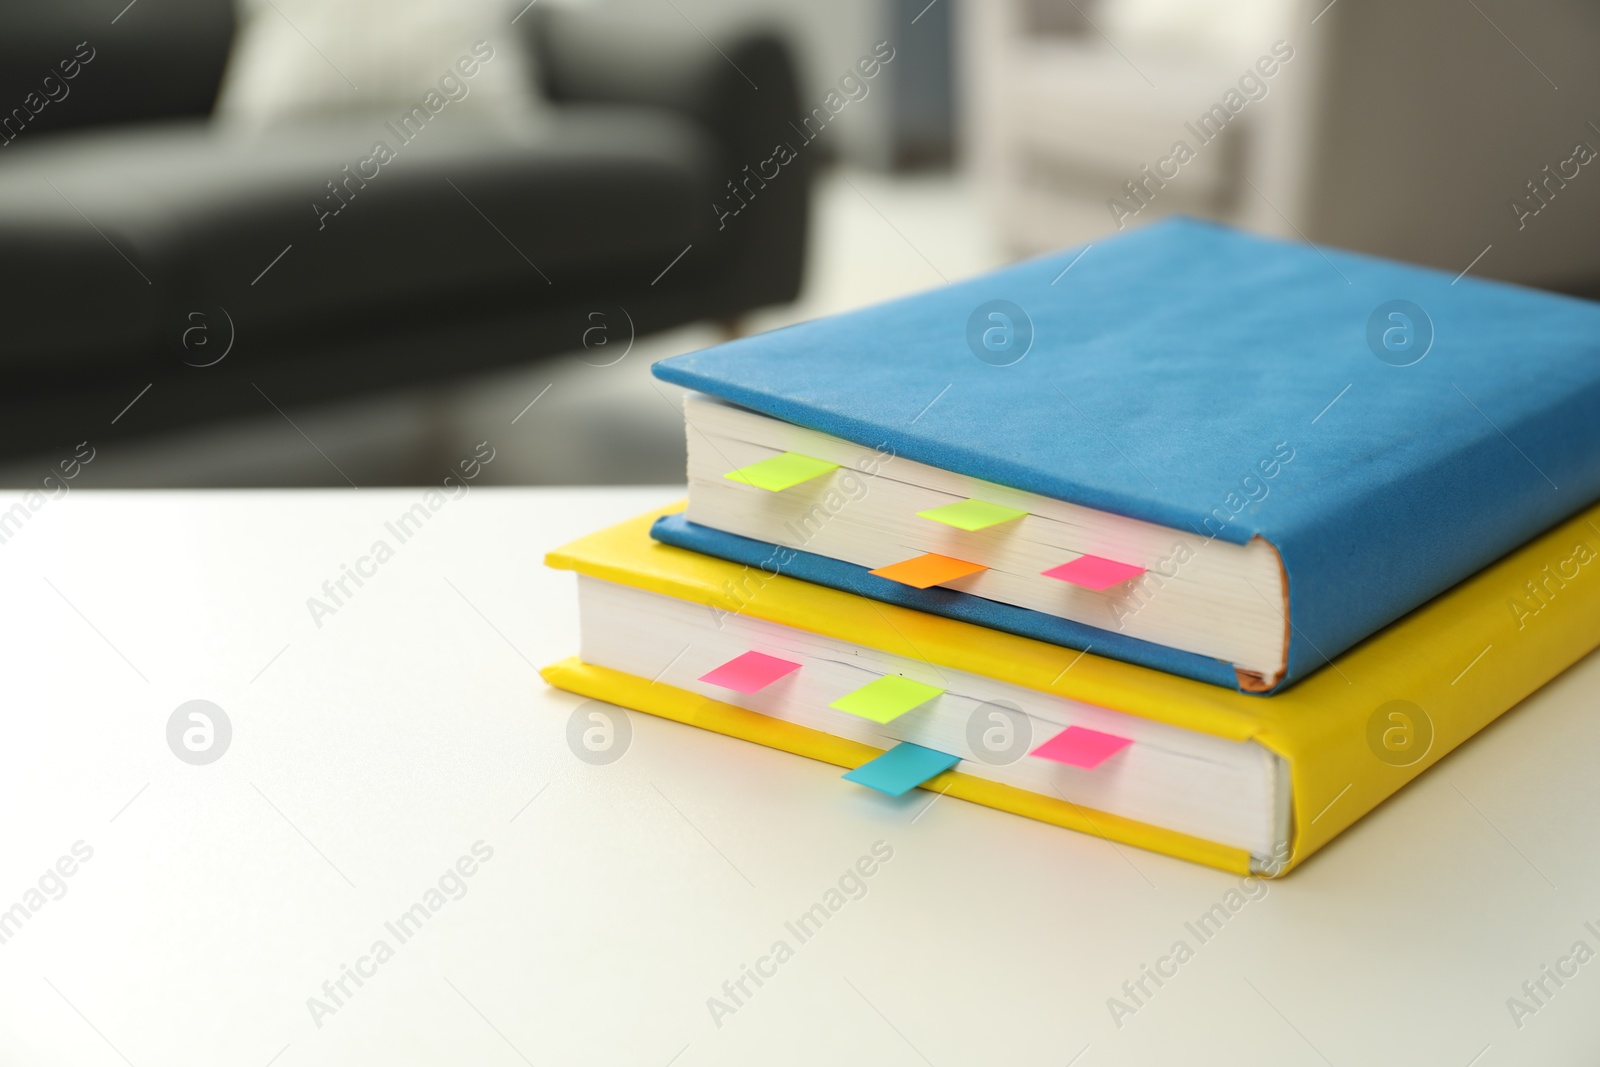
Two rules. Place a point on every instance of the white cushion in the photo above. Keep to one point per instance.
(1227, 29)
(298, 58)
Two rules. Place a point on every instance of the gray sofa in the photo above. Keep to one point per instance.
(139, 241)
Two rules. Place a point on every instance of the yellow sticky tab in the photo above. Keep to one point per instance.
(971, 514)
(781, 472)
(886, 698)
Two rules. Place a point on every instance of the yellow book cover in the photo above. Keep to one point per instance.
(1350, 735)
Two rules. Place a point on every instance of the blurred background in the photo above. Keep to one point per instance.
(340, 242)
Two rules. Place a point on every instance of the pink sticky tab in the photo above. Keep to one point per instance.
(1094, 572)
(1079, 747)
(750, 672)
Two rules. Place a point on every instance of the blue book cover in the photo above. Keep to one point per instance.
(1435, 422)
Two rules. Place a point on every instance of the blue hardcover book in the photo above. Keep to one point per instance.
(1220, 455)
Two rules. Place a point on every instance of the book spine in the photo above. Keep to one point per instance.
(1413, 522)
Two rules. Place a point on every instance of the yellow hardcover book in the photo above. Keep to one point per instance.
(1239, 782)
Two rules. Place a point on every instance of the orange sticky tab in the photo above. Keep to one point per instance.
(923, 571)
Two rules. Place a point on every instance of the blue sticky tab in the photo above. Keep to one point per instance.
(902, 768)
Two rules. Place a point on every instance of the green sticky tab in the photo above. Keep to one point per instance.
(780, 472)
(886, 698)
(972, 514)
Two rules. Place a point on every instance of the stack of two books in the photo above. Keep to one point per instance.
(1207, 545)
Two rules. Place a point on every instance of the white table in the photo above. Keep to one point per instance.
(369, 754)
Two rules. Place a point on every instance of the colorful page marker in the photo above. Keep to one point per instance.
(781, 472)
(750, 672)
(886, 698)
(971, 514)
(931, 569)
(902, 768)
(1081, 748)
(1094, 572)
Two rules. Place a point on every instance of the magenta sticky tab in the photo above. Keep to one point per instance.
(1094, 572)
(1080, 747)
(750, 672)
